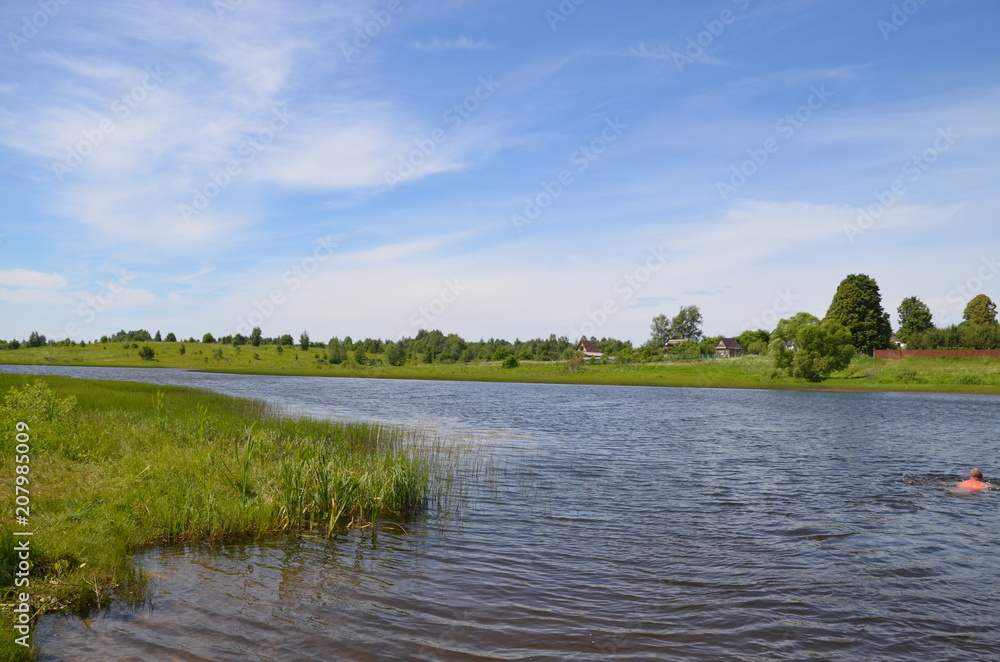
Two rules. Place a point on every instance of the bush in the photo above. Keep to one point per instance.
(510, 362)
(147, 353)
(823, 349)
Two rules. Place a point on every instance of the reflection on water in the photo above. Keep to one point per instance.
(635, 524)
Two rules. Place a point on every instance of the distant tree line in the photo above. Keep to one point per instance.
(803, 344)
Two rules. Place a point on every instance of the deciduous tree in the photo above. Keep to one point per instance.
(857, 306)
(980, 310)
(661, 331)
(821, 349)
(687, 323)
(787, 329)
(914, 317)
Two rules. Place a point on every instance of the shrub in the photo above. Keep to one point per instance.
(510, 362)
(146, 353)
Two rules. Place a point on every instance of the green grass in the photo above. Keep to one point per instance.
(116, 467)
(961, 375)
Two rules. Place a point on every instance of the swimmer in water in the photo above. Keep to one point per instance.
(975, 482)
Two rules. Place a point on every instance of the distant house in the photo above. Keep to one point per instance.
(790, 345)
(589, 349)
(729, 348)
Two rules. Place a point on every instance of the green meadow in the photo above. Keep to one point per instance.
(116, 467)
(958, 375)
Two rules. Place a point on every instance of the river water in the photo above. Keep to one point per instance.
(629, 524)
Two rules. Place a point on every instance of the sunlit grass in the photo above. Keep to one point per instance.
(117, 466)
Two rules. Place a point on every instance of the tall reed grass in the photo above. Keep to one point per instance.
(117, 466)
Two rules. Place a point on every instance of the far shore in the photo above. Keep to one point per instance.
(946, 375)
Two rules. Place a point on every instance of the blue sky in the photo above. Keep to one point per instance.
(497, 168)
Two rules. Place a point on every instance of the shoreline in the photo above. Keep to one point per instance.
(965, 376)
(118, 466)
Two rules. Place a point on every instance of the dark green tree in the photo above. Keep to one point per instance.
(981, 310)
(35, 339)
(171, 337)
(857, 306)
(146, 353)
(754, 342)
(208, 338)
(157, 338)
(335, 352)
(286, 339)
(255, 336)
(821, 349)
(686, 325)
(661, 331)
(979, 336)
(304, 341)
(914, 317)
(394, 354)
(788, 329)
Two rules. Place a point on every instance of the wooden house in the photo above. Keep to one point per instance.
(729, 348)
(589, 349)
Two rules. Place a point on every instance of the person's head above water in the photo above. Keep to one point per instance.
(974, 482)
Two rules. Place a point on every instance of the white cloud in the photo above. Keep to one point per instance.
(31, 279)
(461, 43)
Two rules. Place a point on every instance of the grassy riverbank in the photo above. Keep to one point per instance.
(955, 375)
(115, 467)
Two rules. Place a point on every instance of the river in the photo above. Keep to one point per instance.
(625, 523)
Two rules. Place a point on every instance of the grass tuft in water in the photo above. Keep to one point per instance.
(116, 467)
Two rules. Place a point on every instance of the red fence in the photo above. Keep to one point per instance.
(936, 353)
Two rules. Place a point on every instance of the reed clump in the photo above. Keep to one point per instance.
(119, 466)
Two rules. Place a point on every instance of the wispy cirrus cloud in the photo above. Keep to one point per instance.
(460, 44)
